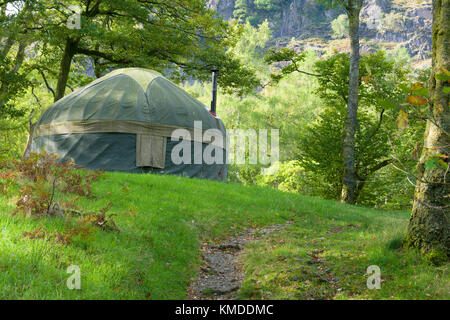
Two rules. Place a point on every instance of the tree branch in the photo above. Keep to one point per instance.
(99, 54)
(46, 83)
(378, 126)
(380, 165)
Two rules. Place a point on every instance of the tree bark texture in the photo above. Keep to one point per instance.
(429, 226)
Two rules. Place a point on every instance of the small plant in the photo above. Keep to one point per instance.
(436, 257)
(39, 177)
(36, 166)
(35, 182)
(65, 237)
(100, 219)
(34, 199)
(38, 233)
(7, 181)
(395, 244)
(41, 233)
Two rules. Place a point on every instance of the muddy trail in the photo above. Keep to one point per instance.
(221, 272)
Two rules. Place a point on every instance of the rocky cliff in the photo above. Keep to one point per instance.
(389, 22)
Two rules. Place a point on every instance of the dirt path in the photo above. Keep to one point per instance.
(221, 274)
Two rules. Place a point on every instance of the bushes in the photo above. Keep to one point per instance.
(310, 114)
(36, 184)
(287, 177)
(245, 174)
(340, 27)
(393, 22)
(37, 180)
(436, 257)
(290, 177)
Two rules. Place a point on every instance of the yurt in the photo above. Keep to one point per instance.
(125, 121)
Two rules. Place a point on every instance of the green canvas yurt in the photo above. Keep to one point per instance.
(124, 122)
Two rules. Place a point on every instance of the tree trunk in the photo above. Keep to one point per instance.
(349, 185)
(27, 151)
(20, 56)
(69, 51)
(7, 46)
(359, 186)
(429, 225)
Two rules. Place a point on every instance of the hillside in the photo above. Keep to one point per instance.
(164, 220)
(384, 23)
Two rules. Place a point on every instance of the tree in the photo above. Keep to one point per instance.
(349, 183)
(340, 26)
(250, 49)
(182, 38)
(334, 75)
(349, 178)
(429, 226)
(241, 10)
(12, 55)
(321, 142)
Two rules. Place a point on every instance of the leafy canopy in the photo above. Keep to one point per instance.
(180, 38)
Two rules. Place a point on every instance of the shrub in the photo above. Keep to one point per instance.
(340, 26)
(289, 177)
(65, 237)
(436, 257)
(37, 179)
(394, 22)
(244, 173)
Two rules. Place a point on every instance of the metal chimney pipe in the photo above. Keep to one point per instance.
(215, 74)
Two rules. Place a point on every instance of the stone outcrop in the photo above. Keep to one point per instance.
(382, 21)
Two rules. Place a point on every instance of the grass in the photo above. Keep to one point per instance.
(165, 219)
(325, 255)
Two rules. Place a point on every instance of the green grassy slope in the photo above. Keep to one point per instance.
(164, 219)
(326, 255)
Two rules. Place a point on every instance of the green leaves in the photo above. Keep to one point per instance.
(444, 75)
(436, 161)
(340, 26)
(417, 99)
(181, 38)
(419, 89)
(289, 58)
(284, 54)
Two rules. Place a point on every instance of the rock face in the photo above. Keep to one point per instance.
(382, 21)
(224, 7)
(303, 18)
(386, 22)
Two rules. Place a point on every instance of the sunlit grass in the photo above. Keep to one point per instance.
(346, 241)
(163, 221)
